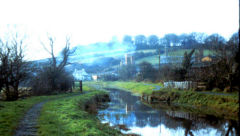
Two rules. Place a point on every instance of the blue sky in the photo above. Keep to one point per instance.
(90, 21)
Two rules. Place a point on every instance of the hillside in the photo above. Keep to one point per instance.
(105, 57)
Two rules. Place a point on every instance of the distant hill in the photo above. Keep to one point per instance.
(105, 57)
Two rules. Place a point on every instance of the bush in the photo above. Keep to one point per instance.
(147, 71)
(48, 81)
(127, 72)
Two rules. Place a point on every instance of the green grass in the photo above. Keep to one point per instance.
(134, 87)
(182, 51)
(85, 88)
(208, 52)
(178, 52)
(227, 106)
(151, 59)
(67, 117)
(12, 112)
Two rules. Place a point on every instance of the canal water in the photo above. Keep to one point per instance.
(127, 109)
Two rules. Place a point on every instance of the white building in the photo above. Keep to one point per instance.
(81, 75)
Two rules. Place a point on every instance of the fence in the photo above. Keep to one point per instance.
(180, 85)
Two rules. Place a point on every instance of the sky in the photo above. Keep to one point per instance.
(91, 21)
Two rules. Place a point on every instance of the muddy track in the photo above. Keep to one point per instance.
(28, 125)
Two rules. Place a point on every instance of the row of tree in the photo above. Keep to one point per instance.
(192, 40)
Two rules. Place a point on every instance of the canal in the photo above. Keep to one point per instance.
(127, 110)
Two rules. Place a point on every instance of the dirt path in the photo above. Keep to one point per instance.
(28, 125)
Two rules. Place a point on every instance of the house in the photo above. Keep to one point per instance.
(81, 75)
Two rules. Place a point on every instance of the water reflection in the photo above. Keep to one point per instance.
(127, 109)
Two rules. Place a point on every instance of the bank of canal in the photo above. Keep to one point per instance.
(127, 109)
(224, 105)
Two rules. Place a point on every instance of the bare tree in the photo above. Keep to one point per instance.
(66, 52)
(58, 67)
(13, 68)
(54, 77)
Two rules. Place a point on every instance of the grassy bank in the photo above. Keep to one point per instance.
(67, 117)
(12, 112)
(137, 88)
(220, 105)
(226, 105)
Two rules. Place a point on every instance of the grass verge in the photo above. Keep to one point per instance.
(11, 112)
(219, 105)
(67, 117)
(137, 88)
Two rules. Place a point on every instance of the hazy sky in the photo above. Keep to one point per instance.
(90, 21)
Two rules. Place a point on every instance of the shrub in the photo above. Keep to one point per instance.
(46, 81)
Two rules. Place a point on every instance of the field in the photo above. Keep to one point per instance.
(155, 58)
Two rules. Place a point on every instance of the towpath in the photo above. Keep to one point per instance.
(157, 87)
(28, 125)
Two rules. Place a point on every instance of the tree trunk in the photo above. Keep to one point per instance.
(15, 92)
(8, 96)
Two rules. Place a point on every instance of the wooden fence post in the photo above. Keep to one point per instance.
(80, 85)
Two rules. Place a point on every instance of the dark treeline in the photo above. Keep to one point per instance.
(192, 40)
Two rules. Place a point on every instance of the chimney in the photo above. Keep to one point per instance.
(132, 60)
